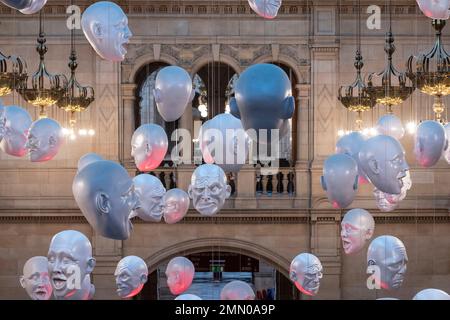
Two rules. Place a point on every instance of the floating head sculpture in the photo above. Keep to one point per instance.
(176, 205)
(45, 138)
(131, 275)
(180, 273)
(357, 227)
(150, 192)
(17, 121)
(35, 279)
(429, 143)
(149, 146)
(237, 290)
(306, 271)
(265, 8)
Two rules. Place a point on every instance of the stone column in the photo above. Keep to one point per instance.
(305, 129)
(107, 253)
(127, 122)
(246, 188)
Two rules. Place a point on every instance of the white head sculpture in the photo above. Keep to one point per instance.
(351, 144)
(105, 26)
(176, 205)
(86, 292)
(446, 152)
(105, 195)
(25, 6)
(2, 120)
(188, 296)
(131, 275)
(88, 158)
(45, 138)
(149, 191)
(435, 9)
(340, 179)
(265, 8)
(432, 294)
(208, 189)
(69, 262)
(357, 227)
(35, 279)
(149, 146)
(180, 273)
(383, 160)
(224, 142)
(237, 290)
(173, 92)
(382, 202)
(388, 253)
(16, 124)
(390, 125)
(306, 271)
(429, 143)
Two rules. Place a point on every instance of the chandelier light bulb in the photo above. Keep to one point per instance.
(91, 132)
(82, 132)
(411, 127)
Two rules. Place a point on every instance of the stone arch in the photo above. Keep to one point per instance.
(147, 59)
(289, 62)
(203, 60)
(231, 245)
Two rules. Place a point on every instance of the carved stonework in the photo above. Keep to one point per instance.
(246, 54)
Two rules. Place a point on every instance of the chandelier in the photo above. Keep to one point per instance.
(12, 72)
(392, 89)
(356, 97)
(75, 98)
(44, 89)
(431, 72)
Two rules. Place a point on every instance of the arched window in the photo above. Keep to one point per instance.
(145, 109)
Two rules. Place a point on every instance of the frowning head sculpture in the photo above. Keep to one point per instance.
(17, 121)
(237, 290)
(131, 275)
(35, 279)
(45, 138)
(173, 92)
(209, 189)
(357, 227)
(340, 179)
(435, 9)
(105, 194)
(388, 253)
(265, 8)
(69, 262)
(224, 142)
(306, 271)
(25, 6)
(263, 99)
(429, 143)
(383, 160)
(105, 26)
(149, 146)
(176, 205)
(149, 192)
(180, 273)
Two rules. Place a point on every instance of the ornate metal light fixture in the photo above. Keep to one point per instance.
(393, 89)
(431, 72)
(44, 89)
(13, 70)
(75, 98)
(356, 97)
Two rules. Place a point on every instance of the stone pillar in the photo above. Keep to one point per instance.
(128, 123)
(107, 253)
(305, 129)
(246, 188)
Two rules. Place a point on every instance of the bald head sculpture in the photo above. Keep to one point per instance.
(389, 254)
(45, 138)
(17, 121)
(35, 279)
(209, 189)
(149, 146)
(149, 191)
(180, 273)
(86, 159)
(357, 227)
(69, 262)
(131, 275)
(105, 195)
(237, 290)
(176, 204)
(306, 271)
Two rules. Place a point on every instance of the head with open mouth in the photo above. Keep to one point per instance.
(388, 253)
(180, 273)
(149, 192)
(209, 189)
(306, 272)
(105, 25)
(69, 262)
(131, 275)
(35, 279)
(45, 138)
(383, 160)
(105, 195)
(357, 227)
